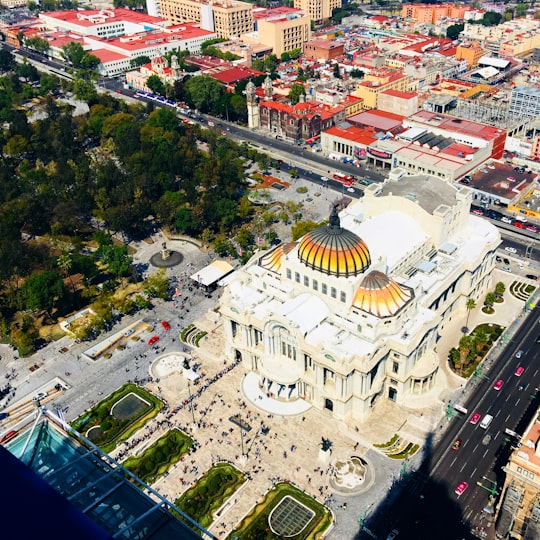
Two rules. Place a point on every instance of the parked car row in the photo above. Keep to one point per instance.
(518, 222)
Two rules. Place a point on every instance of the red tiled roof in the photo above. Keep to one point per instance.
(399, 94)
(235, 74)
(353, 134)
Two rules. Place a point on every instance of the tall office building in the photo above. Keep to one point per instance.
(228, 18)
(317, 10)
(525, 101)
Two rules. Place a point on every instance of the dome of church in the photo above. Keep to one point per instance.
(334, 251)
(272, 260)
(380, 295)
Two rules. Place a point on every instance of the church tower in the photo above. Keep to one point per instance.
(254, 119)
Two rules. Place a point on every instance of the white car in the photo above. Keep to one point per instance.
(40, 396)
(510, 249)
(325, 178)
(505, 219)
(350, 190)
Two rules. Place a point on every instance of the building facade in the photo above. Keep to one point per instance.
(284, 31)
(229, 18)
(317, 10)
(525, 101)
(349, 314)
(518, 515)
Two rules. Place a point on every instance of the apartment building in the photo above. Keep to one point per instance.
(471, 52)
(378, 81)
(317, 10)
(432, 13)
(283, 28)
(228, 18)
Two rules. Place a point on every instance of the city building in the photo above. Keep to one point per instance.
(525, 101)
(318, 10)
(346, 141)
(471, 52)
(518, 514)
(302, 121)
(432, 13)
(377, 81)
(348, 316)
(324, 49)
(283, 28)
(228, 18)
(402, 103)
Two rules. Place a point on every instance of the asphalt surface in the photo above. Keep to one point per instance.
(425, 505)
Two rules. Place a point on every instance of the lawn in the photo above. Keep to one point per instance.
(207, 495)
(158, 458)
(255, 526)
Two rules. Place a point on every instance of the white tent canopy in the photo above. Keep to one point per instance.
(212, 273)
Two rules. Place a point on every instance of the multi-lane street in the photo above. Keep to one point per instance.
(425, 505)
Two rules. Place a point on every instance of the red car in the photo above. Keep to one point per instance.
(461, 488)
(153, 340)
(475, 417)
(8, 436)
(498, 385)
(166, 325)
(519, 371)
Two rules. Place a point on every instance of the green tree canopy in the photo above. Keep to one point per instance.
(156, 85)
(453, 31)
(204, 92)
(297, 90)
(40, 290)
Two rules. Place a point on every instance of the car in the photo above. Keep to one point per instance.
(393, 535)
(521, 369)
(118, 91)
(475, 417)
(166, 325)
(531, 228)
(8, 436)
(478, 212)
(457, 444)
(518, 224)
(3, 415)
(462, 486)
(498, 259)
(40, 396)
(129, 332)
(350, 190)
(498, 385)
(325, 178)
(505, 219)
(487, 439)
(519, 354)
(266, 173)
(506, 261)
(531, 276)
(510, 249)
(153, 340)
(506, 269)
(538, 338)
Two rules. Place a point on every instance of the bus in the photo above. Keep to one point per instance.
(344, 178)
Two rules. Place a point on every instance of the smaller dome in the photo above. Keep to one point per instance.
(272, 260)
(380, 295)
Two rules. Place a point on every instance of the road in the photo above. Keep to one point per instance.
(426, 502)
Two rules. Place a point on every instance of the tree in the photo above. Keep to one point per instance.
(490, 299)
(470, 304)
(500, 287)
(203, 92)
(38, 44)
(301, 228)
(40, 291)
(466, 350)
(297, 90)
(156, 85)
(73, 53)
(117, 260)
(157, 285)
(453, 31)
(140, 61)
(7, 60)
(65, 263)
(337, 73)
(491, 18)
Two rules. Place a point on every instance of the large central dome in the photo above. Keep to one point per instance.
(334, 251)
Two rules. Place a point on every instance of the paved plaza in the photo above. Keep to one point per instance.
(290, 448)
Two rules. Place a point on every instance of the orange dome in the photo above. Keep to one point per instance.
(334, 251)
(272, 261)
(380, 295)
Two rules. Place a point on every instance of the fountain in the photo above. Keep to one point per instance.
(350, 475)
(166, 258)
